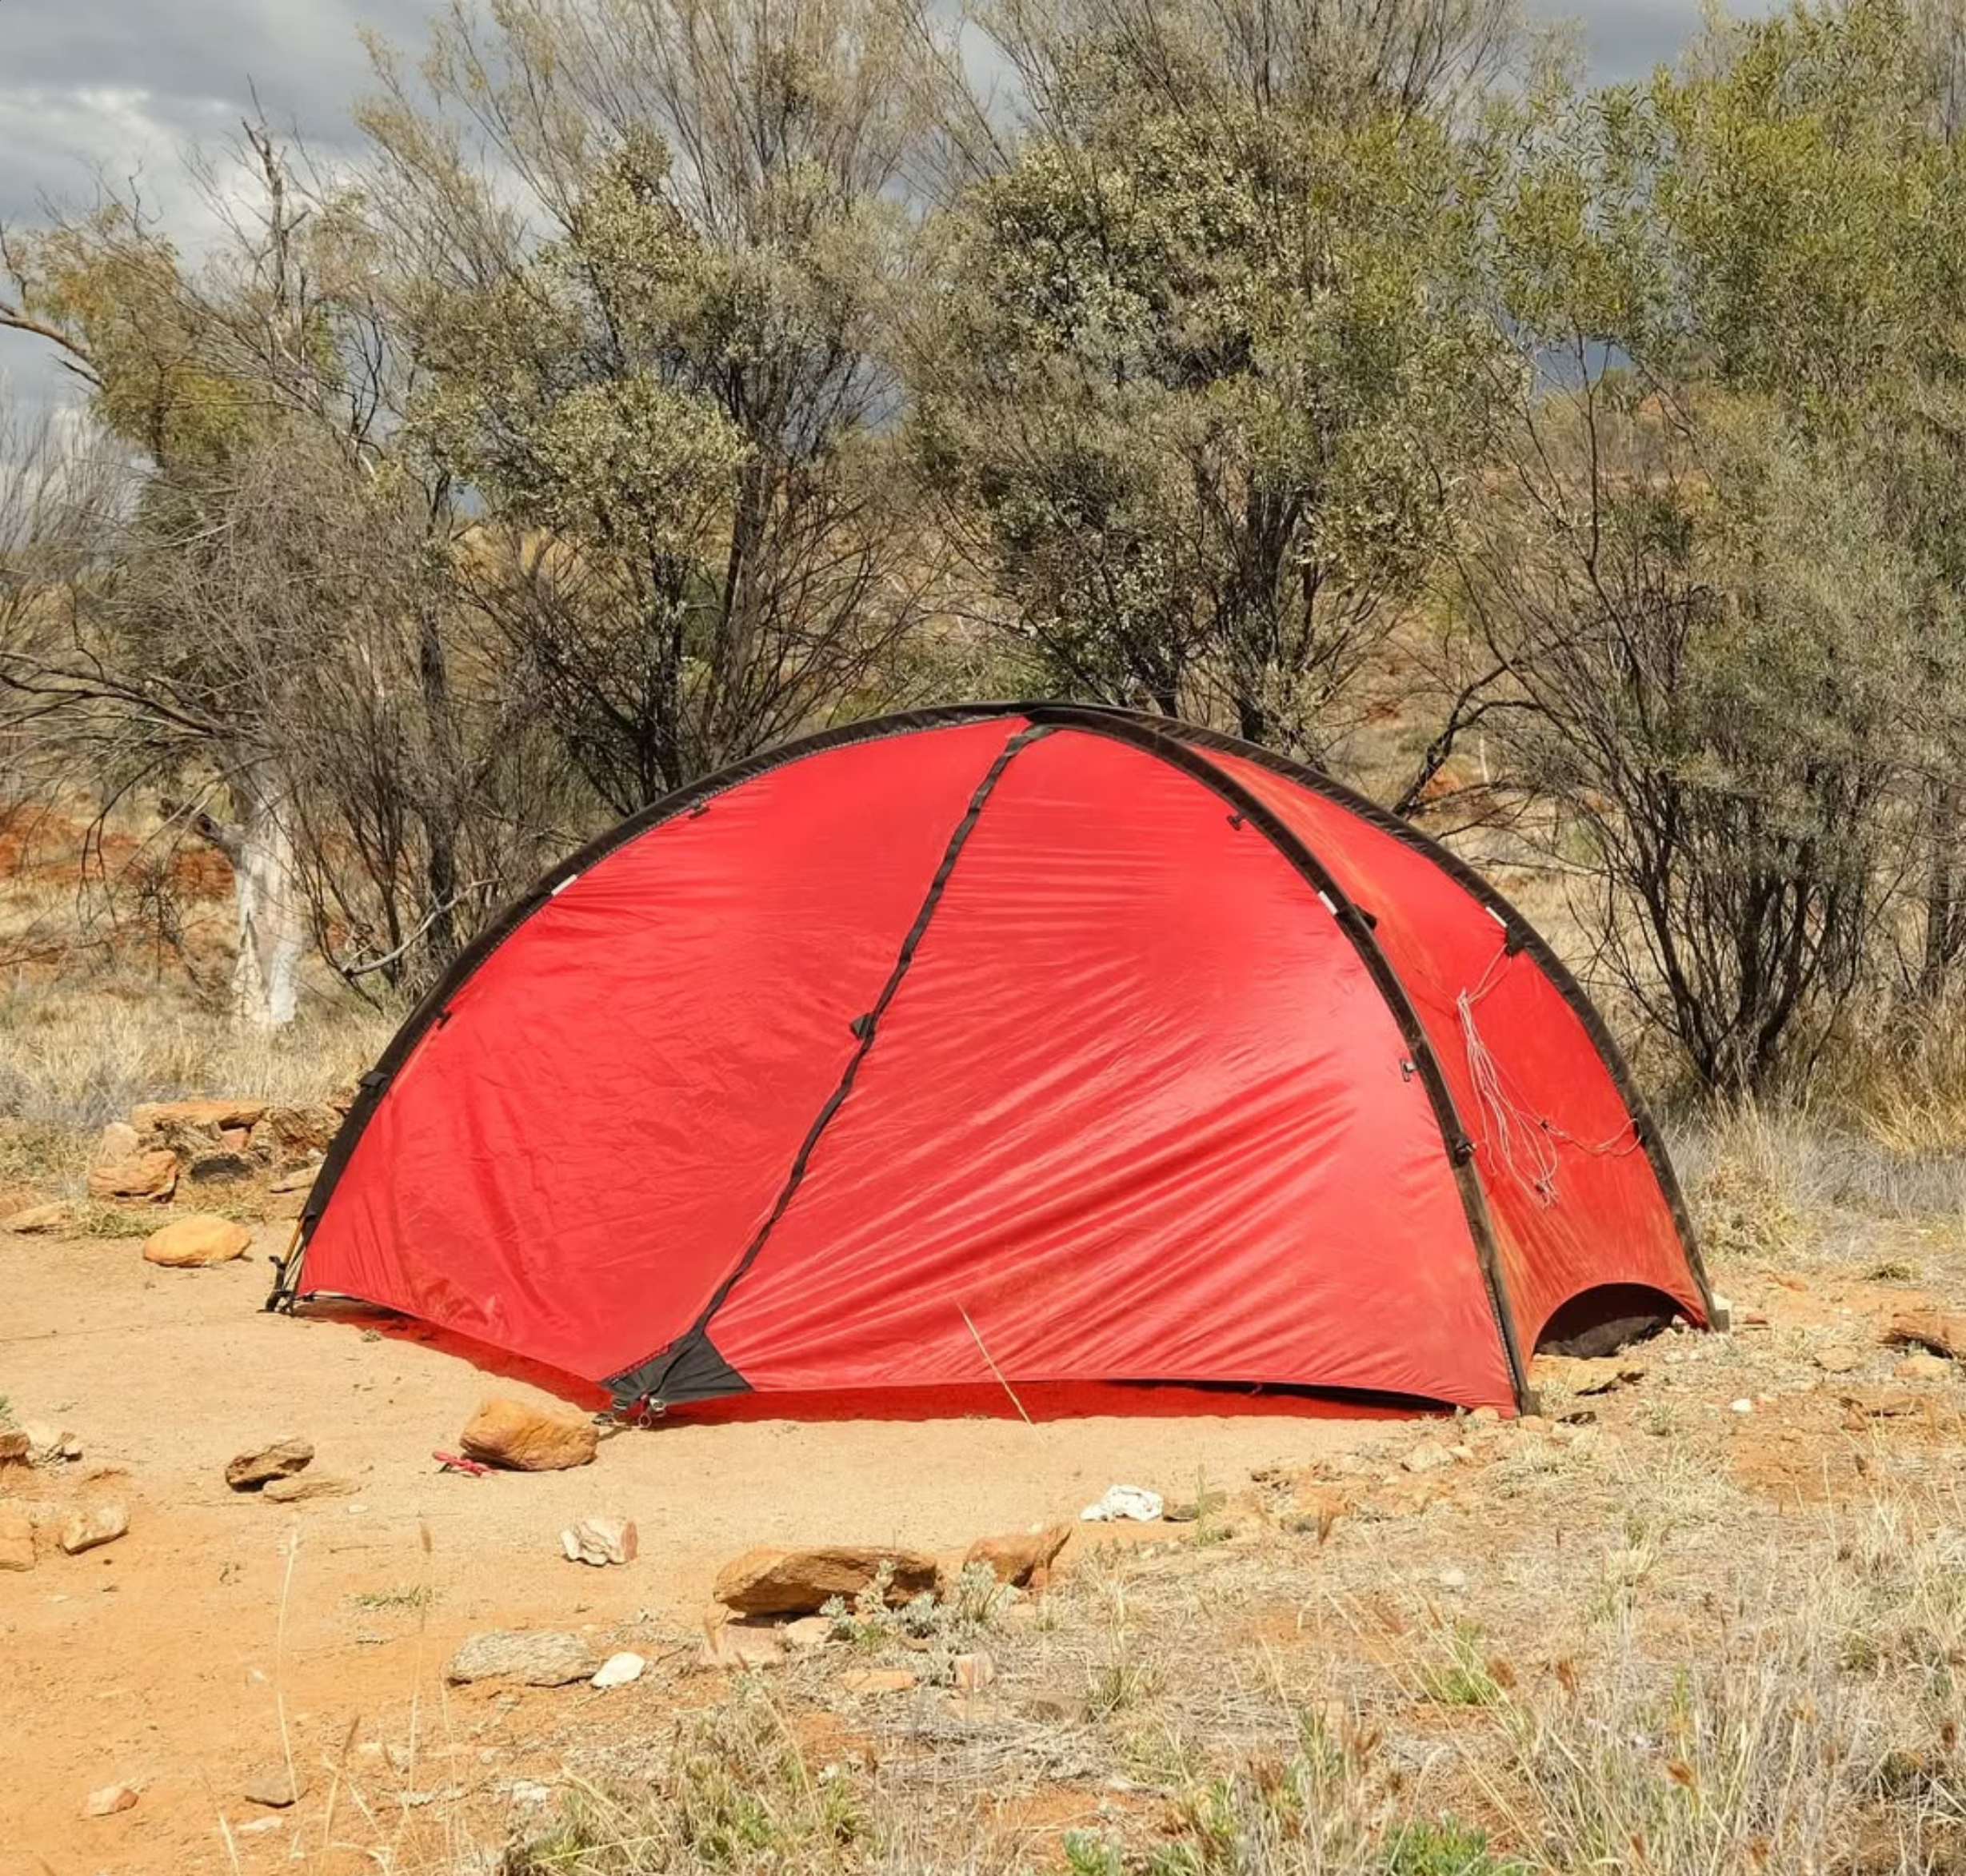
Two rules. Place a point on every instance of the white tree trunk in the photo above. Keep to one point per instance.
(272, 928)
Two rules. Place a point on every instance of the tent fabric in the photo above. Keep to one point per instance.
(1001, 1044)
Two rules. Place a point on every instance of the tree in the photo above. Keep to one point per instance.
(666, 369)
(274, 547)
(1724, 623)
(1210, 372)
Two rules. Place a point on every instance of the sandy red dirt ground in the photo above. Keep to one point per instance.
(156, 1659)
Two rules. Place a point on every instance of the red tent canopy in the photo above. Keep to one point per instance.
(1057, 1043)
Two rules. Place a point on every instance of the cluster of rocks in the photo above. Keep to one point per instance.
(167, 1149)
(768, 1608)
(275, 1472)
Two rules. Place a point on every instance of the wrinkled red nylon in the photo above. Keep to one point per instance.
(1137, 1110)
(1602, 1218)
(566, 1167)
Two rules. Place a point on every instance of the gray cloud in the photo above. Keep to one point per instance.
(106, 90)
(112, 89)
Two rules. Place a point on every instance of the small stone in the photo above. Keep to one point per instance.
(196, 1242)
(1837, 1358)
(301, 1179)
(600, 1540)
(1453, 1579)
(274, 1785)
(524, 1438)
(543, 1658)
(1486, 1416)
(807, 1633)
(1740, 1407)
(116, 1143)
(742, 1644)
(16, 1539)
(1018, 1557)
(295, 1488)
(1464, 1454)
(57, 1215)
(108, 1801)
(973, 1671)
(14, 1447)
(618, 1671)
(773, 1580)
(1925, 1366)
(281, 1459)
(143, 1176)
(876, 1680)
(1429, 1456)
(49, 1445)
(102, 1524)
(530, 1791)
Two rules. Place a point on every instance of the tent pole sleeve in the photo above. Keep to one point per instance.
(1168, 744)
(691, 1353)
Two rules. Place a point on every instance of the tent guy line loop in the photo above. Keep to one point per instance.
(1510, 1120)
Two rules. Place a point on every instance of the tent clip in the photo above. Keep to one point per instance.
(862, 1027)
(1235, 820)
(1464, 1150)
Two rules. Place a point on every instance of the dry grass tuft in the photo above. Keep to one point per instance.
(76, 1058)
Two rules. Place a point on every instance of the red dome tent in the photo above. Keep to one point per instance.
(1065, 1042)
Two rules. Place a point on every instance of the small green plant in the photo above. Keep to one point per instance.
(871, 1621)
(401, 1596)
(94, 1219)
(1209, 1528)
(1087, 1855)
(1119, 1685)
(1443, 1847)
(1464, 1678)
(6, 1411)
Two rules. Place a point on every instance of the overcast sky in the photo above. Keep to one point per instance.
(120, 87)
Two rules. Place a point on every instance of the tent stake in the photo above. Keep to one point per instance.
(996, 1371)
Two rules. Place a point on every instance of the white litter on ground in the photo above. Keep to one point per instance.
(1125, 1501)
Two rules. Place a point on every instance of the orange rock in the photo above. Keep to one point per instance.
(190, 1244)
(151, 1117)
(772, 1580)
(143, 1175)
(876, 1680)
(1942, 1330)
(524, 1438)
(1018, 1557)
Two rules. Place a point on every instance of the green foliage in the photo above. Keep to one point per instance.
(1464, 1678)
(1722, 572)
(935, 1630)
(1445, 1847)
(737, 1795)
(1204, 385)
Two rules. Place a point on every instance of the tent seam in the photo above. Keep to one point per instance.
(644, 1380)
(1168, 746)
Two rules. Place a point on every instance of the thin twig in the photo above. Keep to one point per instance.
(996, 1371)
